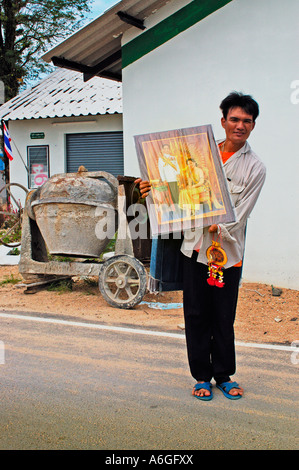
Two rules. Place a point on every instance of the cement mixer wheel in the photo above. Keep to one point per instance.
(12, 216)
(122, 281)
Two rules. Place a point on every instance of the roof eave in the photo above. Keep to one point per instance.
(95, 49)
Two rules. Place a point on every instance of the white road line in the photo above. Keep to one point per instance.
(139, 331)
(92, 325)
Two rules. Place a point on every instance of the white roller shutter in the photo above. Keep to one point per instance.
(97, 151)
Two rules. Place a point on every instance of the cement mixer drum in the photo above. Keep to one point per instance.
(76, 212)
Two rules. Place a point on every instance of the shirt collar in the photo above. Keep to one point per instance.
(246, 148)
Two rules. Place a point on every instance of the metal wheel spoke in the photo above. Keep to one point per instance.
(129, 270)
(7, 233)
(116, 294)
(17, 203)
(111, 280)
(130, 294)
(116, 266)
(14, 219)
(11, 229)
(8, 213)
(133, 282)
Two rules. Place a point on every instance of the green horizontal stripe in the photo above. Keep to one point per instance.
(167, 29)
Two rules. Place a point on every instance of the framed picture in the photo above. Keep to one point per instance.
(38, 164)
(188, 183)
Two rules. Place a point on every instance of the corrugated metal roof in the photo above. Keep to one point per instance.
(63, 93)
(96, 48)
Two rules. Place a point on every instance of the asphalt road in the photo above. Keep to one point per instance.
(75, 387)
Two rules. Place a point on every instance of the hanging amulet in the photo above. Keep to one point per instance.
(216, 259)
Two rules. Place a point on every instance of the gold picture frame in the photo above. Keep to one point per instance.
(188, 183)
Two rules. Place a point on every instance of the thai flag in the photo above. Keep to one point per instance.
(7, 140)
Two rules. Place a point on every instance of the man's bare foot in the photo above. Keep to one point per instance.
(236, 391)
(231, 389)
(202, 392)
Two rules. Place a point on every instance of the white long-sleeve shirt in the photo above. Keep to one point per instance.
(245, 175)
(168, 172)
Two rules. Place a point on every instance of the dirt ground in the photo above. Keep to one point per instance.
(261, 316)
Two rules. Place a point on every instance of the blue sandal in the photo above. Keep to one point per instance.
(226, 387)
(205, 386)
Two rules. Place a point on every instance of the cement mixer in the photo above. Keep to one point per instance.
(61, 219)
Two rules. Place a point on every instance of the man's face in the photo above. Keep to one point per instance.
(237, 125)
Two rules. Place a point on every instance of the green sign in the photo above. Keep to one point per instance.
(37, 135)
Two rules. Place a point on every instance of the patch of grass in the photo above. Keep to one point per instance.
(9, 280)
(110, 247)
(11, 237)
(14, 252)
(65, 285)
(61, 259)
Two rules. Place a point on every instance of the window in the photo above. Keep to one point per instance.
(38, 165)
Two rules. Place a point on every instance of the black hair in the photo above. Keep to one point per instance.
(238, 100)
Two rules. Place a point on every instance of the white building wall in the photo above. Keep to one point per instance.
(55, 131)
(249, 46)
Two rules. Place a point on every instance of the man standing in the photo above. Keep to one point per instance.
(209, 311)
(169, 171)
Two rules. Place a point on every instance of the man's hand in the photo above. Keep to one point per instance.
(213, 228)
(144, 187)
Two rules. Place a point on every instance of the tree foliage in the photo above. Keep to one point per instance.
(27, 29)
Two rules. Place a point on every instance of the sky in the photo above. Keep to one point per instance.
(99, 6)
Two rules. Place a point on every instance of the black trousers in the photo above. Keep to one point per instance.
(209, 321)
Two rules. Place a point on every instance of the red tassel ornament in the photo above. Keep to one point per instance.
(217, 258)
(212, 270)
(219, 282)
